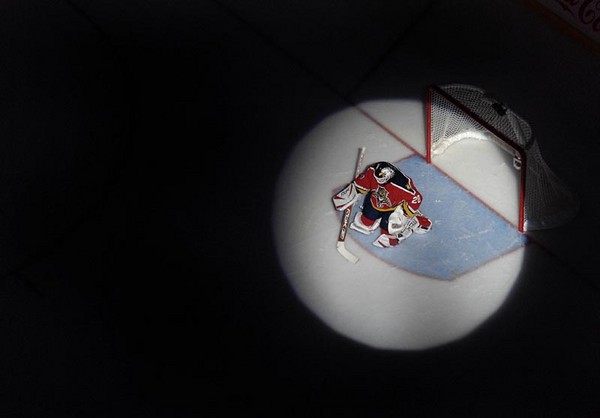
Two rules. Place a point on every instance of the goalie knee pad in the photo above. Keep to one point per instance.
(364, 225)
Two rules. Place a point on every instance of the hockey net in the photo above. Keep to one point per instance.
(457, 111)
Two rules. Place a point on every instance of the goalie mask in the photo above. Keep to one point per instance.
(384, 172)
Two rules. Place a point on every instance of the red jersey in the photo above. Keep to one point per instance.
(399, 190)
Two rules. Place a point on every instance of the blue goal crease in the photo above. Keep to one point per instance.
(466, 233)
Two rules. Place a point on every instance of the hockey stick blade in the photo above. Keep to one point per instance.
(341, 247)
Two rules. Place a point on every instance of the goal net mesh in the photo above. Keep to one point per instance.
(458, 111)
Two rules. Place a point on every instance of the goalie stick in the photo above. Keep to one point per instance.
(341, 242)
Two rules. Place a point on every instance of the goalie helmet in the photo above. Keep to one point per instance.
(384, 172)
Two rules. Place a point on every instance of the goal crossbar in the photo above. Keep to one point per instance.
(458, 111)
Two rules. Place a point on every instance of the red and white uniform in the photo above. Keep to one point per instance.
(400, 190)
(391, 204)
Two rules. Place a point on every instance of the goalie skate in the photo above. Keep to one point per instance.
(392, 240)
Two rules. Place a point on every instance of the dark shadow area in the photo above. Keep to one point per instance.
(139, 277)
(138, 162)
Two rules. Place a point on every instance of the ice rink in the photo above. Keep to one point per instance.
(400, 298)
(168, 240)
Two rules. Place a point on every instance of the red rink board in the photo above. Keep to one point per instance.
(580, 18)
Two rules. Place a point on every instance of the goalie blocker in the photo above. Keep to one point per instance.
(391, 204)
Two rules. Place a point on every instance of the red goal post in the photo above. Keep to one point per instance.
(460, 111)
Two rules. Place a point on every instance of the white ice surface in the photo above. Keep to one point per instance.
(373, 302)
(481, 167)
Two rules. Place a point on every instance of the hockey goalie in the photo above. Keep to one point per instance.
(391, 205)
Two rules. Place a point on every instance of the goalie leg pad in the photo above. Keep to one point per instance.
(386, 241)
(400, 222)
(364, 225)
(397, 221)
(404, 234)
